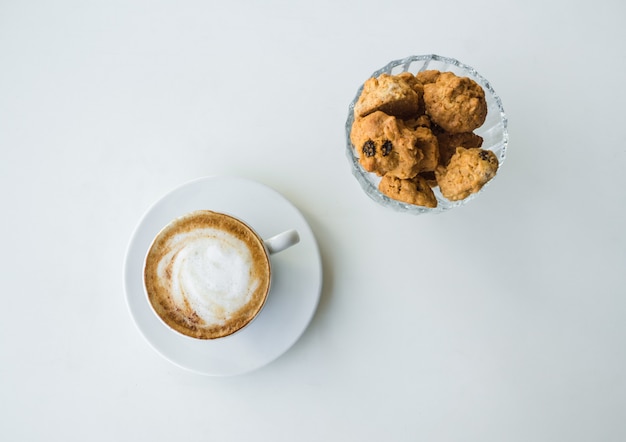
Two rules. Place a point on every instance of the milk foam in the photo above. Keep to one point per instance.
(209, 271)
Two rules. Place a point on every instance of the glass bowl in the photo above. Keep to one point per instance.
(493, 131)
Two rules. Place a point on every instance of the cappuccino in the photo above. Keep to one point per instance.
(207, 274)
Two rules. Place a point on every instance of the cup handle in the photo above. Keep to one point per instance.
(282, 241)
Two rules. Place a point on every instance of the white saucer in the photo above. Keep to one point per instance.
(296, 280)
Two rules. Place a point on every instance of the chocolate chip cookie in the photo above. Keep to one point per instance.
(385, 145)
(468, 171)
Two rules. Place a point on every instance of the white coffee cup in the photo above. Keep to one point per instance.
(208, 274)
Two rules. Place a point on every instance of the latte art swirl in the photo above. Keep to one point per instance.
(208, 272)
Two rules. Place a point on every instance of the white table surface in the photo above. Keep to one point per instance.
(501, 321)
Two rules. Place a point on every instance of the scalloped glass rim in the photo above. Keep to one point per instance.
(493, 131)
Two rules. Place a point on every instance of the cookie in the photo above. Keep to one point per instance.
(468, 171)
(412, 190)
(391, 94)
(428, 76)
(385, 145)
(456, 104)
(427, 142)
(449, 142)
